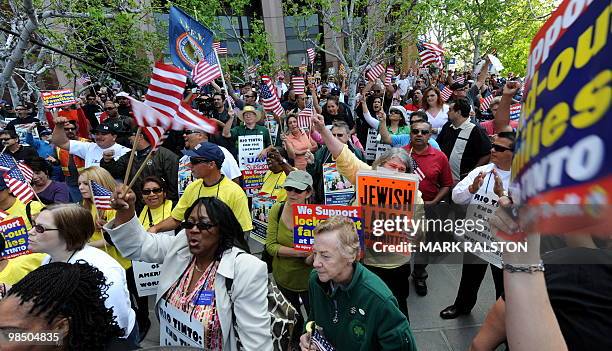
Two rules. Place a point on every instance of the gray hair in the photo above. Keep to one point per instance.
(341, 124)
(394, 152)
(348, 239)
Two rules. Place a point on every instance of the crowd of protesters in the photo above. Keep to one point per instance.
(188, 210)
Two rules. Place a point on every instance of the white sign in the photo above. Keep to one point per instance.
(249, 146)
(146, 276)
(381, 149)
(371, 142)
(176, 328)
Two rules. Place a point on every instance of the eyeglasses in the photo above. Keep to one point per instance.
(40, 229)
(340, 135)
(20, 109)
(154, 191)
(200, 225)
(69, 129)
(189, 132)
(501, 148)
(252, 96)
(295, 190)
(4, 139)
(419, 131)
(196, 161)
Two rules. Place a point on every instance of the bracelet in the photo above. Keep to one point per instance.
(523, 268)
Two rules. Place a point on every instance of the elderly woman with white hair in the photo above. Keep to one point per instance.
(393, 268)
(349, 305)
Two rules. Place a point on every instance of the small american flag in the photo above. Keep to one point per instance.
(165, 93)
(303, 119)
(252, 69)
(271, 103)
(446, 93)
(515, 111)
(417, 169)
(430, 53)
(207, 69)
(7, 162)
(311, 54)
(298, 84)
(18, 180)
(460, 80)
(220, 47)
(375, 71)
(101, 196)
(484, 103)
(155, 136)
(389, 75)
(84, 79)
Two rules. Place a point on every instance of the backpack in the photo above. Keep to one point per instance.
(283, 316)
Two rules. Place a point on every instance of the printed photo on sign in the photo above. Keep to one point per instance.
(307, 218)
(260, 209)
(15, 237)
(338, 190)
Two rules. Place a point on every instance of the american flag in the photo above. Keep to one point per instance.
(311, 54)
(208, 69)
(146, 115)
(375, 71)
(515, 111)
(417, 169)
(271, 103)
(165, 94)
(188, 118)
(389, 75)
(83, 79)
(298, 84)
(155, 136)
(485, 102)
(303, 118)
(220, 47)
(252, 69)
(18, 180)
(7, 162)
(101, 196)
(319, 340)
(446, 93)
(430, 53)
(460, 80)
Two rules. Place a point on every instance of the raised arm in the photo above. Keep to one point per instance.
(484, 71)
(228, 125)
(315, 99)
(502, 117)
(334, 145)
(59, 138)
(372, 121)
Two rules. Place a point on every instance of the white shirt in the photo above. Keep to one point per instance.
(461, 194)
(92, 153)
(229, 168)
(281, 88)
(439, 120)
(118, 295)
(403, 85)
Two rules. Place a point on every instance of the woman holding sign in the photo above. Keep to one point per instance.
(206, 279)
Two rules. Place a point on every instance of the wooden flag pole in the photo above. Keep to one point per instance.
(140, 169)
(4, 149)
(131, 161)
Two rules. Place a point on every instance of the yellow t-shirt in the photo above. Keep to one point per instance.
(19, 210)
(97, 235)
(157, 214)
(226, 190)
(273, 185)
(19, 267)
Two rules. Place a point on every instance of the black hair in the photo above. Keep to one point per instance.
(508, 135)
(76, 292)
(220, 94)
(420, 114)
(39, 164)
(90, 95)
(402, 121)
(154, 179)
(463, 107)
(11, 133)
(220, 214)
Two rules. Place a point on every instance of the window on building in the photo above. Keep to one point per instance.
(296, 48)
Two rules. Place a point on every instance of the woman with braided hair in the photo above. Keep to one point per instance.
(63, 304)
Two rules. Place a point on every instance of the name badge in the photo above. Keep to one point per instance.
(205, 297)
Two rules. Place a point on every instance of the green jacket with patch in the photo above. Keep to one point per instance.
(362, 316)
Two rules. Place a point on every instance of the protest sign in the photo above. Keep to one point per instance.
(260, 209)
(176, 328)
(307, 217)
(386, 196)
(338, 190)
(184, 174)
(253, 176)
(272, 126)
(561, 167)
(146, 276)
(22, 131)
(15, 236)
(371, 144)
(381, 149)
(58, 98)
(249, 146)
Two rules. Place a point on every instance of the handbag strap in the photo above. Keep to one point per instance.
(229, 282)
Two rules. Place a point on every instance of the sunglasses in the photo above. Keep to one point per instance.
(69, 129)
(295, 190)
(200, 225)
(197, 161)
(154, 191)
(189, 132)
(501, 148)
(251, 96)
(338, 135)
(40, 229)
(419, 131)
(4, 139)
(109, 108)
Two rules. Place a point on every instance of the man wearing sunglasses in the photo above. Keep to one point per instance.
(24, 116)
(121, 124)
(488, 182)
(10, 141)
(206, 160)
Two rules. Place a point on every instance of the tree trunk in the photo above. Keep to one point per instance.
(476, 52)
(352, 89)
(17, 54)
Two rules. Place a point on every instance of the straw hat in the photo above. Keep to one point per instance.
(249, 109)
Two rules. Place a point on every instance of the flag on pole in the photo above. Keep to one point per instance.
(155, 136)
(430, 53)
(389, 75)
(220, 47)
(515, 111)
(207, 69)
(252, 69)
(145, 115)
(298, 84)
(485, 102)
(101, 196)
(187, 39)
(311, 55)
(375, 71)
(446, 93)
(18, 180)
(188, 118)
(303, 119)
(165, 93)
(83, 79)
(7, 162)
(270, 100)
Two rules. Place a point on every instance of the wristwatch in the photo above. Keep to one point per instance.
(523, 268)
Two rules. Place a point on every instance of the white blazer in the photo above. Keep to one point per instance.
(249, 289)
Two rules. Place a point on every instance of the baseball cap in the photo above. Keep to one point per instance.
(207, 151)
(46, 132)
(104, 128)
(299, 180)
(335, 92)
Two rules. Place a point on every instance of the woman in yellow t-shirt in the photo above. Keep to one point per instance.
(275, 176)
(157, 207)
